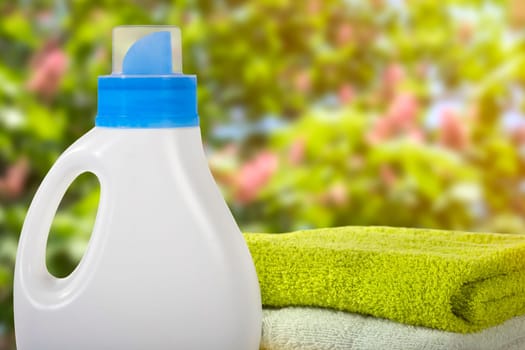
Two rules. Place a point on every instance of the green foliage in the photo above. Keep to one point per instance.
(342, 179)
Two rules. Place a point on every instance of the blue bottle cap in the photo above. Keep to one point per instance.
(147, 88)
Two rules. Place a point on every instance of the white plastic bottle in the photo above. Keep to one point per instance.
(166, 266)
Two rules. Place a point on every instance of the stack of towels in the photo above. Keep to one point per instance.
(391, 288)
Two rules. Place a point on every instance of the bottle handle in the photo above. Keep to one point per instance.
(34, 279)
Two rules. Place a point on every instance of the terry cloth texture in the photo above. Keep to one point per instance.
(323, 329)
(449, 280)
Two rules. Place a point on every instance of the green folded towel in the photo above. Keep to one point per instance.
(322, 329)
(454, 281)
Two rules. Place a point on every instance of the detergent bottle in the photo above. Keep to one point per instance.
(166, 266)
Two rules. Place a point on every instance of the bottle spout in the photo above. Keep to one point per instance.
(147, 50)
(147, 88)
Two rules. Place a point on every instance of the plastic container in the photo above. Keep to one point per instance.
(166, 266)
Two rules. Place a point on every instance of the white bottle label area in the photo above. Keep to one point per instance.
(166, 266)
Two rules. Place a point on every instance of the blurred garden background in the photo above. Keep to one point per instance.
(314, 113)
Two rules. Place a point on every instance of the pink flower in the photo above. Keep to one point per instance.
(393, 75)
(297, 151)
(254, 174)
(344, 34)
(346, 93)
(403, 109)
(400, 119)
(415, 133)
(314, 6)
(47, 70)
(267, 163)
(13, 182)
(454, 133)
(302, 81)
